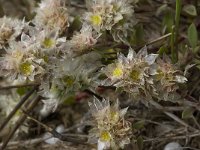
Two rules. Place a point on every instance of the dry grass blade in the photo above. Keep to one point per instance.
(17, 107)
(20, 121)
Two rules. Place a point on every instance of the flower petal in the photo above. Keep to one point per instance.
(131, 54)
(101, 145)
(150, 59)
(180, 79)
(142, 53)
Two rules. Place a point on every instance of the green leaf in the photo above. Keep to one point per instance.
(69, 100)
(198, 67)
(76, 24)
(190, 10)
(162, 50)
(161, 9)
(21, 91)
(187, 113)
(192, 35)
(168, 21)
(140, 143)
(138, 125)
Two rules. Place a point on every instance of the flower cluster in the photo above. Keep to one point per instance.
(110, 130)
(140, 74)
(66, 82)
(64, 60)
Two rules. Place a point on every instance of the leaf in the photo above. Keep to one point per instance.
(162, 50)
(76, 24)
(69, 100)
(187, 113)
(138, 125)
(190, 10)
(198, 67)
(161, 9)
(22, 90)
(168, 21)
(192, 35)
(140, 143)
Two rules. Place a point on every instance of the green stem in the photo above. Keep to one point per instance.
(177, 22)
(173, 53)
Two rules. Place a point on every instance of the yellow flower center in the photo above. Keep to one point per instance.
(135, 75)
(105, 136)
(26, 68)
(160, 74)
(17, 54)
(117, 72)
(169, 76)
(96, 20)
(114, 116)
(46, 58)
(68, 80)
(48, 43)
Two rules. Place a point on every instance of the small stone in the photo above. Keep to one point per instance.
(173, 146)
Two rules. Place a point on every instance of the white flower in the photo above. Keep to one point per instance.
(44, 39)
(104, 14)
(168, 75)
(110, 130)
(10, 28)
(52, 14)
(133, 72)
(20, 63)
(82, 41)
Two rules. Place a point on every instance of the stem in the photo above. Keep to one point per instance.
(177, 22)
(21, 102)
(172, 46)
(174, 117)
(18, 86)
(19, 122)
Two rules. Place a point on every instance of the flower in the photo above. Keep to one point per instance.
(104, 14)
(42, 40)
(110, 129)
(52, 14)
(167, 77)
(67, 76)
(20, 63)
(132, 73)
(50, 101)
(10, 28)
(81, 41)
